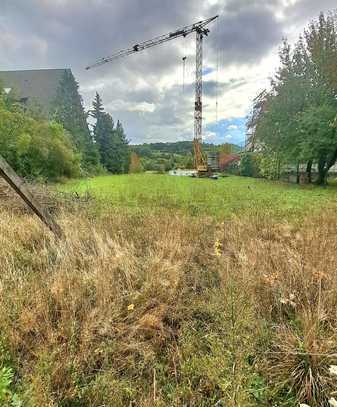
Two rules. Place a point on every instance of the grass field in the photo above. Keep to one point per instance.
(221, 198)
(143, 303)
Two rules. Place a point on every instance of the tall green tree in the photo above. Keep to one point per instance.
(103, 134)
(97, 107)
(69, 111)
(295, 119)
(121, 149)
(111, 141)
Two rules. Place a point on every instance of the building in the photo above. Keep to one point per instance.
(36, 89)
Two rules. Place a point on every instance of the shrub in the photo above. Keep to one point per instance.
(249, 165)
(36, 149)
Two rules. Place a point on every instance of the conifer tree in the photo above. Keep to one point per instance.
(69, 111)
(122, 148)
(97, 105)
(111, 142)
(103, 133)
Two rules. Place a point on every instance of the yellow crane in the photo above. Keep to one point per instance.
(201, 31)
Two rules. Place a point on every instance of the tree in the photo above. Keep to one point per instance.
(103, 134)
(249, 165)
(112, 144)
(120, 150)
(69, 111)
(317, 126)
(98, 108)
(294, 120)
(135, 164)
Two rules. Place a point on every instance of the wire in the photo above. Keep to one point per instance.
(217, 74)
(184, 71)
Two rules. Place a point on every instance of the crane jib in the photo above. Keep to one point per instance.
(183, 32)
(200, 30)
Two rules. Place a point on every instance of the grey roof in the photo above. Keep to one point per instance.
(39, 86)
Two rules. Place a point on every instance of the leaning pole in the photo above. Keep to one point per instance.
(20, 187)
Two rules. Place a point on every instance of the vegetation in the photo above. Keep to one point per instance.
(144, 305)
(35, 148)
(69, 111)
(64, 147)
(175, 291)
(227, 196)
(111, 142)
(296, 120)
(163, 157)
(135, 164)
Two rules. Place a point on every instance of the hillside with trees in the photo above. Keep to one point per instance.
(167, 156)
(295, 122)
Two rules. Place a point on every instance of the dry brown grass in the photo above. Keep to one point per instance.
(290, 271)
(163, 310)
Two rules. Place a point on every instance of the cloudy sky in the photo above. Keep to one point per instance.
(145, 91)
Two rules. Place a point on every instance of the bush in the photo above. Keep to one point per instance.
(249, 165)
(269, 166)
(36, 149)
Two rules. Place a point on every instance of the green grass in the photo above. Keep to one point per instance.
(221, 198)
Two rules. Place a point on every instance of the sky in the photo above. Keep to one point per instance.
(146, 91)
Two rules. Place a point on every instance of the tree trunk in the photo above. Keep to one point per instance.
(309, 168)
(278, 168)
(298, 173)
(322, 172)
(324, 165)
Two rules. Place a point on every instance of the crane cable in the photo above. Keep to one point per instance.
(217, 75)
(184, 72)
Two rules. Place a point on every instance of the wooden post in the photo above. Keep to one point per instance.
(21, 189)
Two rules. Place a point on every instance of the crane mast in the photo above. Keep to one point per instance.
(200, 30)
(199, 161)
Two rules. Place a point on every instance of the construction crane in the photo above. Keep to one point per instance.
(201, 31)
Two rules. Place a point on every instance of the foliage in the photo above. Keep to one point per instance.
(163, 157)
(68, 110)
(295, 119)
(36, 149)
(7, 397)
(97, 107)
(135, 164)
(269, 165)
(111, 141)
(249, 166)
(112, 144)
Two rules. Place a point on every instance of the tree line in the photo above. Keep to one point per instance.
(295, 122)
(162, 157)
(61, 145)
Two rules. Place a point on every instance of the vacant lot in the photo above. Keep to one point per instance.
(143, 303)
(221, 198)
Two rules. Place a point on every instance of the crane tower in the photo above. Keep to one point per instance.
(201, 31)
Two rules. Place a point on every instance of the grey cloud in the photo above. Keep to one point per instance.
(304, 10)
(247, 31)
(212, 88)
(74, 33)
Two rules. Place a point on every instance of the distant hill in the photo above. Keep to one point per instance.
(167, 156)
(178, 147)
